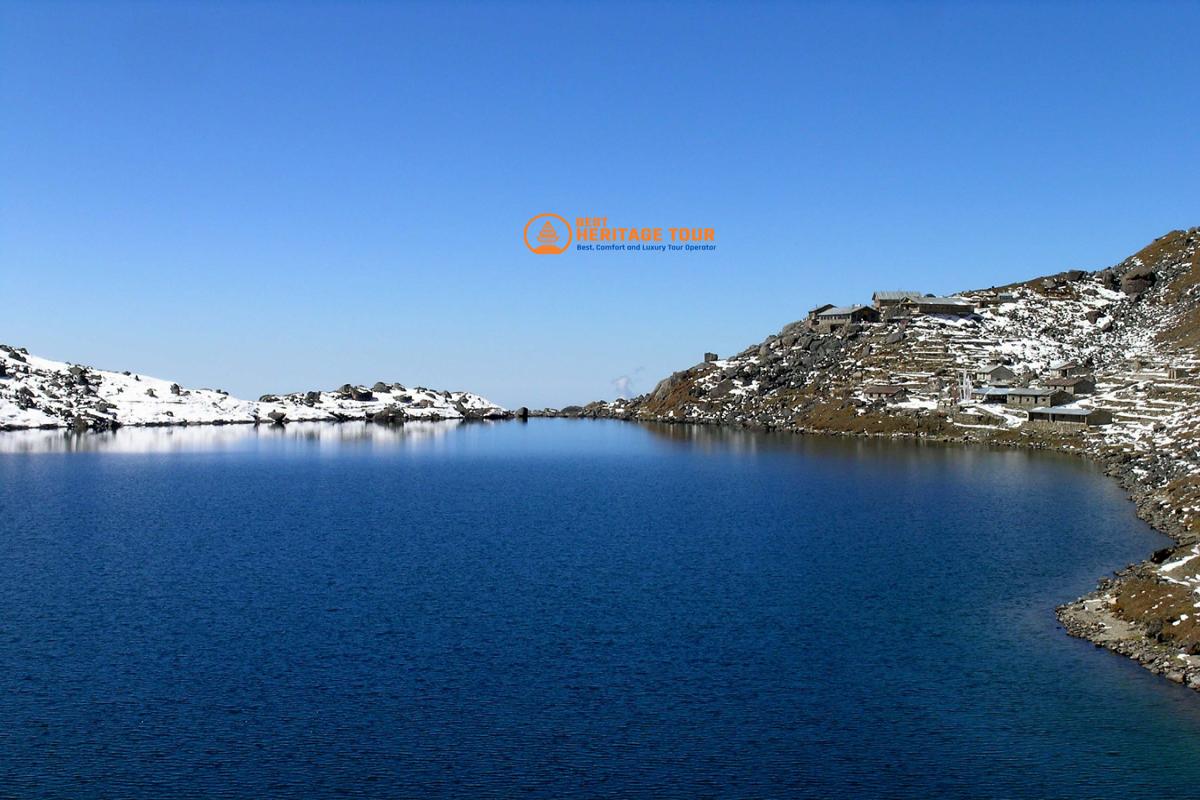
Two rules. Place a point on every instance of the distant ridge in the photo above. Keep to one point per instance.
(39, 393)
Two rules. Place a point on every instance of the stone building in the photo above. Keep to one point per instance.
(1032, 398)
(1078, 385)
(1065, 369)
(956, 306)
(891, 394)
(833, 318)
(995, 375)
(882, 300)
(1069, 417)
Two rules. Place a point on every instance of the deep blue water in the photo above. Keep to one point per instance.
(564, 609)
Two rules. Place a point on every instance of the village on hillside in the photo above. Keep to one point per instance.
(1004, 386)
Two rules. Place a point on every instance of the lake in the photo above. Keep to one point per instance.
(564, 609)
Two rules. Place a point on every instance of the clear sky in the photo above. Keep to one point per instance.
(274, 197)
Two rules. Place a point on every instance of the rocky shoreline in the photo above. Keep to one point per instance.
(1092, 616)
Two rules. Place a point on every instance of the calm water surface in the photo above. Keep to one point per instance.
(563, 609)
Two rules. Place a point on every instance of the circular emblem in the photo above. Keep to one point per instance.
(551, 234)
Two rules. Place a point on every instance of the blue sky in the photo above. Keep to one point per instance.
(275, 197)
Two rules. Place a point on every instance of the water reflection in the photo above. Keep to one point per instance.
(900, 453)
(196, 438)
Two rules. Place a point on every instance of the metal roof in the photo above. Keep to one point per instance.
(1069, 411)
(899, 295)
(840, 310)
(1063, 364)
(1031, 392)
(991, 391)
(945, 301)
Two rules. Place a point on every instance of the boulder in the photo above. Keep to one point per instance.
(268, 398)
(1137, 280)
(794, 328)
(1135, 286)
(522, 413)
(392, 415)
(176, 389)
(664, 387)
(380, 386)
(722, 389)
(830, 345)
(277, 417)
(1161, 555)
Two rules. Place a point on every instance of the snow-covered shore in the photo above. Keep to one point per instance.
(40, 393)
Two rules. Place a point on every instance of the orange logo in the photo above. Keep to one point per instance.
(553, 236)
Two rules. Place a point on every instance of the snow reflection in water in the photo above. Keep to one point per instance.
(198, 438)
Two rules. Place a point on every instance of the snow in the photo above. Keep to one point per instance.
(41, 393)
(1173, 565)
(928, 404)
